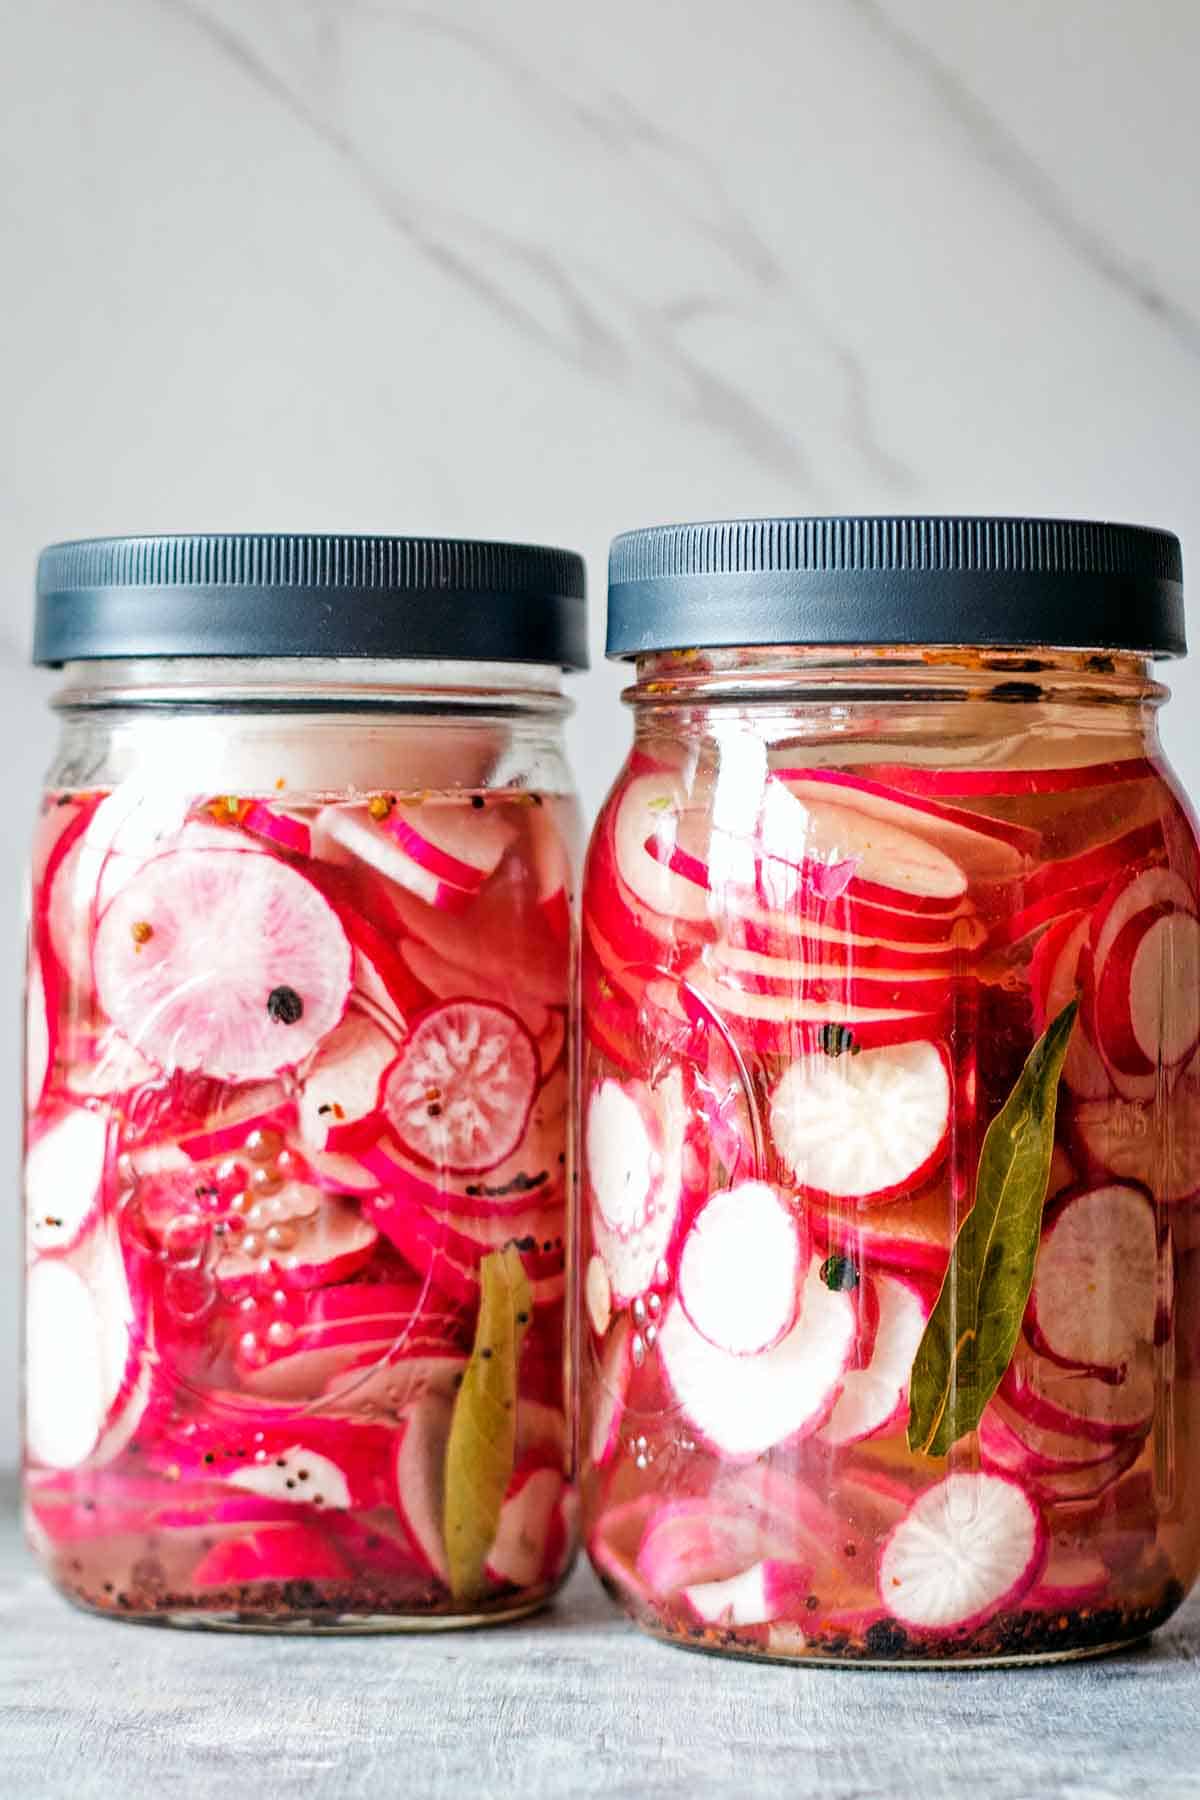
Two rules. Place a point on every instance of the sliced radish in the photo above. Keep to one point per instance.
(86, 1383)
(1156, 1145)
(340, 1085)
(739, 1269)
(343, 1340)
(274, 1554)
(101, 1064)
(597, 1295)
(865, 1127)
(519, 1553)
(295, 1238)
(41, 1030)
(1072, 1578)
(1095, 1289)
(767, 1590)
(420, 1477)
(787, 1025)
(1069, 1487)
(609, 1392)
(634, 1256)
(982, 783)
(1147, 1004)
(743, 1405)
(449, 1258)
(297, 1474)
(461, 1090)
(806, 983)
(552, 872)
(875, 1398)
(222, 961)
(281, 829)
(1076, 1402)
(449, 981)
(991, 848)
(646, 827)
(621, 1154)
(971, 1545)
(452, 842)
(345, 836)
(911, 1236)
(692, 1542)
(1016, 1445)
(64, 1171)
(1055, 973)
(500, 938)
(837, 849)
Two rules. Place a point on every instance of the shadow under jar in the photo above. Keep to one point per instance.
(890, 1199)
(297, 1130)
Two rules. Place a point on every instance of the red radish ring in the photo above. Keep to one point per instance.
(453, 843)
(281, 829)
(224, 962)
(867, 1127)
(1056, 969)
(773, 1025)
(1082, 1405)
(909, 1236)
(341, 1082)
(64, 1175)
(883, 863)
(1155, 1145)
(745, 1405)
(342, 836)
(648, 813)
(828, 984)
(739, 1269)
(460, 1093)
(992, 848)
(1095, 1289)
(971, 1546)
(769, 1589)
(1147, 1004)
(976, 783)
(635, 1250)
(874, 1399)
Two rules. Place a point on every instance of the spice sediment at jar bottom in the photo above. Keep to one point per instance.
(891, 1128)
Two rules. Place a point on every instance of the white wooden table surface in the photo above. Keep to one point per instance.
(574, 1703)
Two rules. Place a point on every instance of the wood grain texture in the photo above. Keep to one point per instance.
(576, 1703)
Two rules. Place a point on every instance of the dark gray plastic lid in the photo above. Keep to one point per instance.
(1065, 583)
(310, 595)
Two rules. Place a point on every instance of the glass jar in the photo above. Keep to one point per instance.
(298, 1066)
(890, 1210)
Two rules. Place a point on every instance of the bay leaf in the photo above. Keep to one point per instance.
(972, 1331)
(483, 1429)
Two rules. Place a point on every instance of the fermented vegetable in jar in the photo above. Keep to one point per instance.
(297, 1138)
(889, 1284)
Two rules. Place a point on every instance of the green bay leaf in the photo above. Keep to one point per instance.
(972, 1331)
(483, 1429)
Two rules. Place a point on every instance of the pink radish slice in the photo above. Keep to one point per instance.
(744, 1405)
(803, 941)
(634, 1254)
(767, 1590)
(980, 783)
(327, 1331)
(622, 1154)
(40, 1033)
(691, 1542)
(498, 938)
(340, 1086)
(1070, 1579)
(453, 842)
(101, 1064)
(447, 981)
(651, 811)
(1095, 1286)
(420, 1477)
(1129, 893)
(305, 1240)
(552, 1043)
(513, 1188)
(273, 1553)
(875, 1398)
(911, 1236)
(874, 859)
(864, 1127)
(778, 1025)
(552, 872)
(1016, 1447)
(460, 1092)
(244, 971)
(281, 829)
(1148, 996)
(992, 848)
(84, 1391)
(609, 1393)
(1055, 973)
(806, 983)
(64, 1170)
(612, 1550)
(519, 1550)
(1081, 1404)
(450, 1260)
(1156, 1145)
(970, 1546)
(1069, 1487)
(345, 836)
(739, 1269)
(383, 982)
(597, 1295)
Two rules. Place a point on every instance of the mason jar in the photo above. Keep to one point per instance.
(889, 1296)
(297, 1076)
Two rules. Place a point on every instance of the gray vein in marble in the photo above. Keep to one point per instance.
(587, 342)
(996, 146)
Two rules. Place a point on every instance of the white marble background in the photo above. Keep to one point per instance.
(550, 270)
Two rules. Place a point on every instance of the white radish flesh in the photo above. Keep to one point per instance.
(298, 1475)
(1156, 1144)
(621, 1155)
(876, 1397)
(1148, 998)
(1055, 972)
(421, 1478)
(1095, 1285)
(461, 1090)
(609, 1392)
(743, 1405)
(991, 848)
(765, 1591)
(517, 1557)
(340, 1085)
(816, 838)
(223, 961)
(597, 1295)
(739, 1268)
(650, 812)
(970, 1546)
(635, 1257)
(864, 1127)
(1079, 1403)
(64, 1168)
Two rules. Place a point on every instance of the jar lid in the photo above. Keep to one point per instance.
(310, 595)
(1067, 583)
